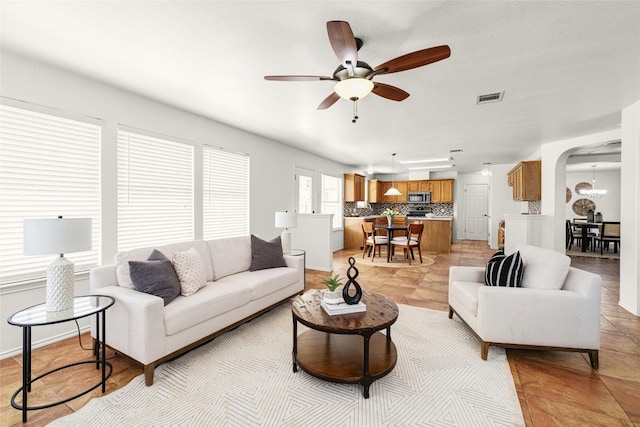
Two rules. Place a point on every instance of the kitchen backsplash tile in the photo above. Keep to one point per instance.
(438, 209)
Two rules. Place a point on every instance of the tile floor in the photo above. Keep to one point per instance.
(554, 388)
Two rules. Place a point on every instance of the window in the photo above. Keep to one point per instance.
(49, 166)
(332, 198)
(155, 190)
(305, 190)
(225, 199)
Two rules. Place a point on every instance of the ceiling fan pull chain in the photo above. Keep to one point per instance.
(355, 111)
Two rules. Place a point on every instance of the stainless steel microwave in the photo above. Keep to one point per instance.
(419, 197)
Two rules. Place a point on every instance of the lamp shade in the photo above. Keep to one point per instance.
(393, 191)
(286, 220)
(56, 236)
(354, 88)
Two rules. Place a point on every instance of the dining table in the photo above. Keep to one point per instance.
(584, 228)
(390, 229)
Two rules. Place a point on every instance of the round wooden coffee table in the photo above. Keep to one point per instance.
(345, 348)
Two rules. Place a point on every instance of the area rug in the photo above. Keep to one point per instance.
(398, 262)
(245, 378)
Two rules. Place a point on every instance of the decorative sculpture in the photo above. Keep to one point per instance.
(352, 281)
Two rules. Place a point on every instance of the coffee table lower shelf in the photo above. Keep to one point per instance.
(341, 357)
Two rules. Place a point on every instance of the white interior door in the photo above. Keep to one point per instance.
(476, 202)
(303, 193)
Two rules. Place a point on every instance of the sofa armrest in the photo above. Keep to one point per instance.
(542, 317)
(135, 324)
(102, 276)
(466, 274)
(296, 262)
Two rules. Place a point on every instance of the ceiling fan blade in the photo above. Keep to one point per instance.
(343, 42)
(415, 59)
(297, 78)
(328, 101)
(390, 92)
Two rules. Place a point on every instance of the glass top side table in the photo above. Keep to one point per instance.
(37, 315)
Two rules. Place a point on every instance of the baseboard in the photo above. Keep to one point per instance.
(44, 342)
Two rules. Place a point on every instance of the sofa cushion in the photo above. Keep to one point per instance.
(211, 301)
(264, 282)
(122, 259)
(155, 277)
(543, 268)
(266, 254)
(190, 270)
(504, 270)
(230, 256)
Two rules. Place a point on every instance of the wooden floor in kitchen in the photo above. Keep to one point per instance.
(554, 388)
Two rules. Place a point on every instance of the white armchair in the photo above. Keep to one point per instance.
(557, 307)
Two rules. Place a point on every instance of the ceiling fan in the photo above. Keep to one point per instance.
(355, 78)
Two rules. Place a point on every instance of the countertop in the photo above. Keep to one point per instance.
(412, 218)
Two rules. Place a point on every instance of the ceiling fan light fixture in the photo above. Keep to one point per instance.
(354, 88)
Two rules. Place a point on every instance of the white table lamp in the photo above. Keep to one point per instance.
(286, 220)
(58, 236)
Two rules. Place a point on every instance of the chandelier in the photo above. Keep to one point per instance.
(593, 191)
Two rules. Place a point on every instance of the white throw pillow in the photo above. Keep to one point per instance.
(190, 270)
(122, 270)
(543, 268)
(230, 256)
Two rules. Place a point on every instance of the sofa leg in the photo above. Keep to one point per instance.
(593, 358)
(148, 374)
(484, 350)
(450, 312)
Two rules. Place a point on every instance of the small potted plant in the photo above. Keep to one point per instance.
(332, 294)
(390, 213)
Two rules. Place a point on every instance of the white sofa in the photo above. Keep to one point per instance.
(140, 326)
(557, 307)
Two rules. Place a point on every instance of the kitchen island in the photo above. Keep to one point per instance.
(436, 237)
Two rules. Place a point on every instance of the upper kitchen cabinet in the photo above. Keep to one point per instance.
(375, 194)
(353, 187)
(525, 178)
(441, 190)
(402, 187)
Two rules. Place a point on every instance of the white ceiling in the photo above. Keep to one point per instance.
(567, 68)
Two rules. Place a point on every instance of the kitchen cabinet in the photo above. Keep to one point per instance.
(375, 194)
(525, 179)
(402, 187)
(353, 187)
(441, 190)
(353, 233)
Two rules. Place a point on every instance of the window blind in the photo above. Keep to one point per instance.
(155, 190)
(225, 193)
(49, 166)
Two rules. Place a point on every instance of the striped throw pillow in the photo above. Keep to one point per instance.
(504, 270)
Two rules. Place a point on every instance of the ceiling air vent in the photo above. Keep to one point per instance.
(490, 97)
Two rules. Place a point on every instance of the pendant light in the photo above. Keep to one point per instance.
(593, 192)
(393, 191)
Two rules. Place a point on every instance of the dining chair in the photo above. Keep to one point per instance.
(410, 241)
(577, 225)
(572, 236)
(609, 232)
(370, 240)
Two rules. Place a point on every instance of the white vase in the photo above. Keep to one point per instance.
(390, 220)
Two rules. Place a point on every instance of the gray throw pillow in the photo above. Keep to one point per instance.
(266, 254)
(156, 277)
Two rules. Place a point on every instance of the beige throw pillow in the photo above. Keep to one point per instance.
(190, 270)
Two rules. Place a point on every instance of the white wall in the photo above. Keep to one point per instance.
(630, 214)
(272, 163)
(608, 205)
